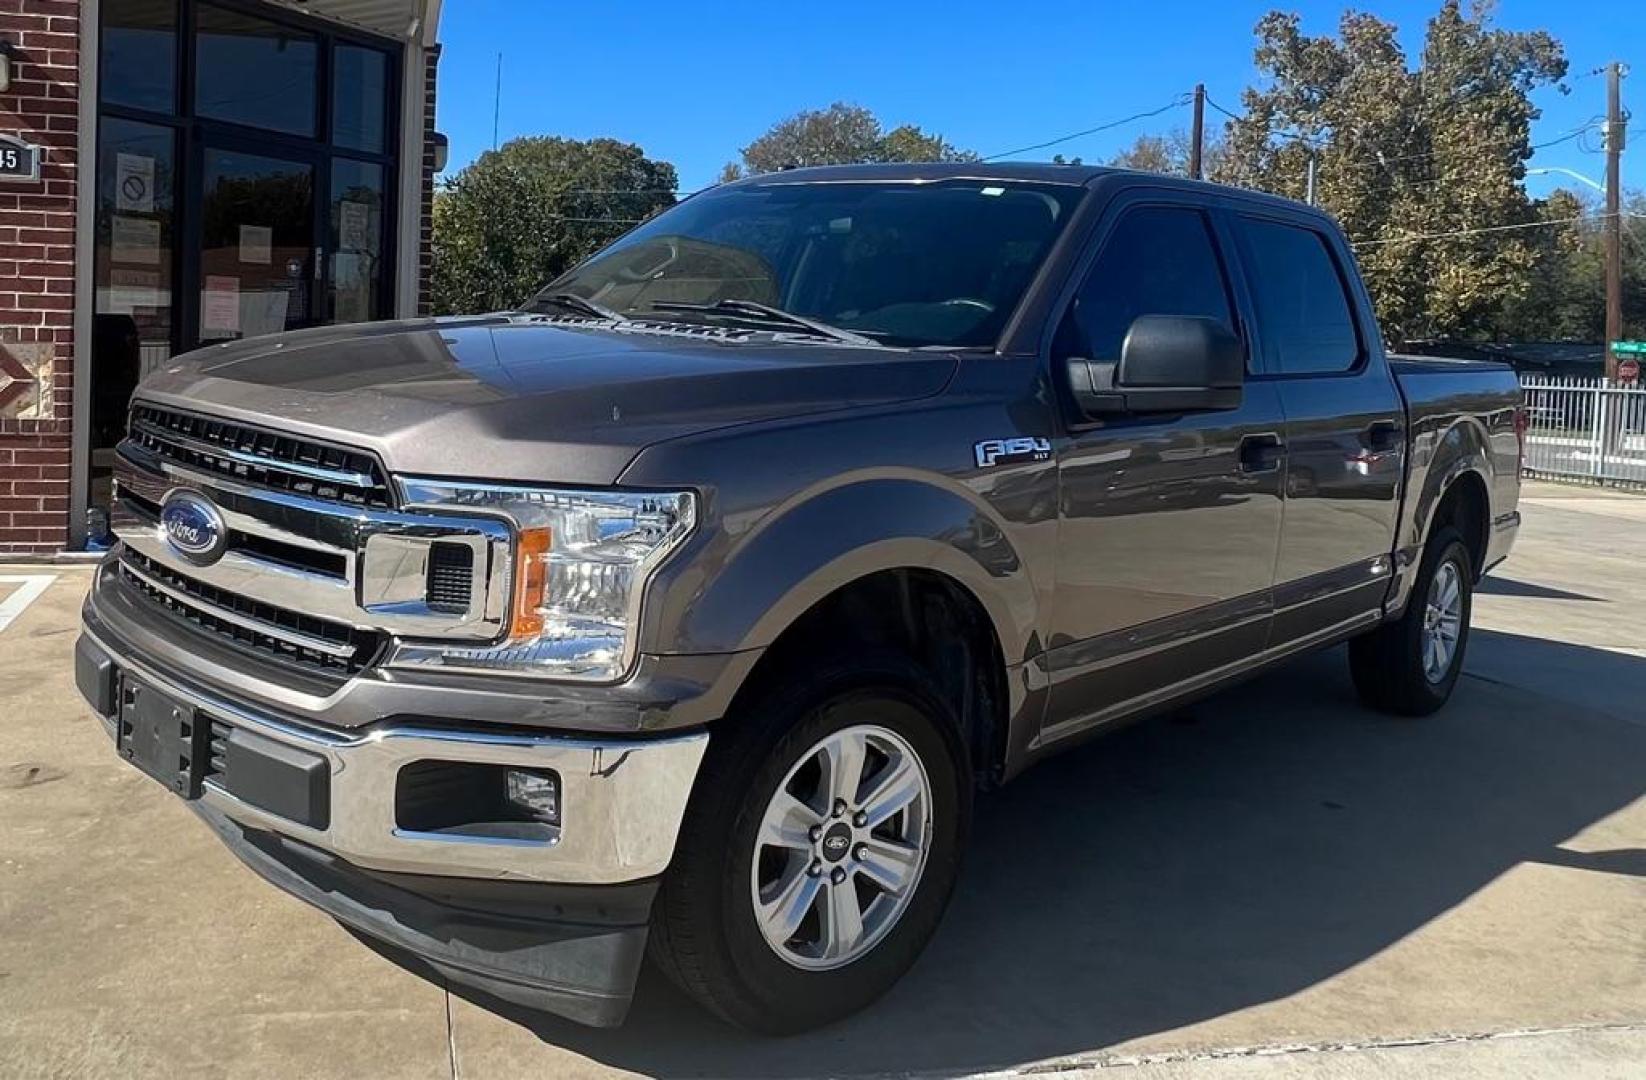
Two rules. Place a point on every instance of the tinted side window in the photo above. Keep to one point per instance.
(1156, 261)
(1302, 309)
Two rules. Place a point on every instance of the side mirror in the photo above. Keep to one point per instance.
(1168, 363)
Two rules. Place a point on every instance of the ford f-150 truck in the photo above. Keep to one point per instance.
(684, 609)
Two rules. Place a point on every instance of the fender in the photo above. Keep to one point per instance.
(824, 538)
(1440, 455)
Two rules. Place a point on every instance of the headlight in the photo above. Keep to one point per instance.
(581, 562)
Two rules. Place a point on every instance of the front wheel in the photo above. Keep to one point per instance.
(820, 850)
(1410, 666)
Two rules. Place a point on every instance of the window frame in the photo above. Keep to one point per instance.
(194, 133)
(1329, 243)
(1099, 236)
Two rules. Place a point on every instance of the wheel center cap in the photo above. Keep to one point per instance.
(836, 842)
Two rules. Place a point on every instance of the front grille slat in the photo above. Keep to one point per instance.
(261, 458)
(334, 650)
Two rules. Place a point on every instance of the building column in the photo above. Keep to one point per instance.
(38, 241)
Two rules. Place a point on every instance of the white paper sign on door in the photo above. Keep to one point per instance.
(354, 232)
(256, 244)
(136, 240)
(220, 306)
(134, 184)
(131, 289)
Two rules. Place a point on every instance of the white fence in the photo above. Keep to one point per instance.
(1585, 429)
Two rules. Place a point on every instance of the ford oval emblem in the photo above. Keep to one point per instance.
(193, 527)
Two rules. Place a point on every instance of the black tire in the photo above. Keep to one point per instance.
(1388, 663)
(705, 937)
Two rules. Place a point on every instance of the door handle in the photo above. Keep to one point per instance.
(1382, 436)
(1261, 453)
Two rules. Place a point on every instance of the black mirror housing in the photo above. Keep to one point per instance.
(1168, 363)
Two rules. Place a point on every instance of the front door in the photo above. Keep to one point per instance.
(259, 261)
(1169, 523)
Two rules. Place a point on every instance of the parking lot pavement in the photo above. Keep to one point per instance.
(1274, 883)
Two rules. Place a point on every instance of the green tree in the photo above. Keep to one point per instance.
(1567, 297)
(1401, 153)
(842, 134)
(521, 215)
(1169, 154)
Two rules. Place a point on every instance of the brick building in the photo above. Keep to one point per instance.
(179, 172)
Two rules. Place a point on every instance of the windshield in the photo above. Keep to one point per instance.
(899, 263)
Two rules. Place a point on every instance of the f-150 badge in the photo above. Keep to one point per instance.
(991, 452)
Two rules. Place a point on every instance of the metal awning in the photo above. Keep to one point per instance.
(400, 19)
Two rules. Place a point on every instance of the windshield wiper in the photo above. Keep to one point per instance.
(754, 311)
(583, 304)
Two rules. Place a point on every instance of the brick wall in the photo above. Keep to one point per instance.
(37, 276)
(425, 251)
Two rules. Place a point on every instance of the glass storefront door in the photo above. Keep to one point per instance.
(258, 258)
(246, 170)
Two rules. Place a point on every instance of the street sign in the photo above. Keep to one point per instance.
(1629, 348)
(1628, 370)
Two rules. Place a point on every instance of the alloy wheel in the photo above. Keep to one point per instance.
(1442, 621)
(841, 847)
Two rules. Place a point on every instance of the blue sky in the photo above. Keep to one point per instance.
(693, 82)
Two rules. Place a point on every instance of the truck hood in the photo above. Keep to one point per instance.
(519, 398)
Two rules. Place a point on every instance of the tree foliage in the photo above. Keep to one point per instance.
(1169, 154)
(1403, 151)
(1567, 297)
(842, 134)
(521, 215)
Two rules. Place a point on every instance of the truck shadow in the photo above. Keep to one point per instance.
(1274, 836)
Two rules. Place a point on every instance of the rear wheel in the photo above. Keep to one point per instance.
(820, 850)
(1410, 666)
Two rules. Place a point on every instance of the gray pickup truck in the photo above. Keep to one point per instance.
(685, 609)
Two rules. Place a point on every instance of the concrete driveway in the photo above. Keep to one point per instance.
(1275, 883)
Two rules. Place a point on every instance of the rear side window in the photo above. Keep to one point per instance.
(1158, 261)
(1302, 310)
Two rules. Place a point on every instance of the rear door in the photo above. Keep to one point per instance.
(1169, 522)
(1345, 426)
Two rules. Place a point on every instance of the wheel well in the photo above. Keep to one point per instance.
(1463, 507)
(930, 618)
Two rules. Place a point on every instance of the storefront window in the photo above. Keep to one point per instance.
(359, 98)
(257, 254)
(255, 72)
(235, 198)
(356, 240)
(139, 58)
(132, 323)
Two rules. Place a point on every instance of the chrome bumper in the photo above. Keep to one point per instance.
(621, 800)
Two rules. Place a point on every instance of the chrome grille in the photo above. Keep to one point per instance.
(318, 646)
(261, 458)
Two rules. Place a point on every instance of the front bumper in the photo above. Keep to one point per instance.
(622, 801)
(556, 922)
(572, 950)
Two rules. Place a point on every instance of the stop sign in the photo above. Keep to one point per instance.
(1628, 370)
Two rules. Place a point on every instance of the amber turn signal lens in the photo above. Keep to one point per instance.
(531, 580)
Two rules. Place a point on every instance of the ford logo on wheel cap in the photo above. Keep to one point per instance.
(193, 527)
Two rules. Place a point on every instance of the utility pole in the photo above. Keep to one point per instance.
(1614, 215)
(1197, 133)
(497, 100)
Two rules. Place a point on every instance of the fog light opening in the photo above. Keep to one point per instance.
(478, 800)
(536, 793)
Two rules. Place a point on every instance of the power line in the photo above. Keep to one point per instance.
(1305, 140)
(1470, 232)
(1176, 103)
(1383, 162)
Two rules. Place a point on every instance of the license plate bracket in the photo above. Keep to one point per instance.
(163, 736)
